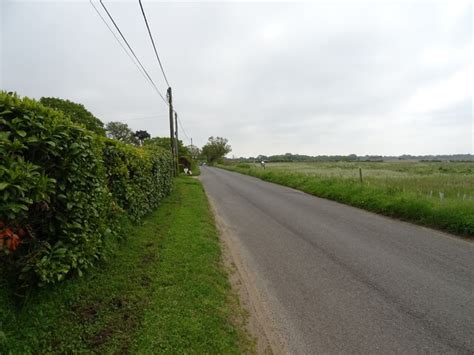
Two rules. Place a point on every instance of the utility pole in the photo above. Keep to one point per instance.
(173, 153)
(176, 141)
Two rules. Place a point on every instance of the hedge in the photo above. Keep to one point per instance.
(63, 189)
(138, 178)
(76, 112)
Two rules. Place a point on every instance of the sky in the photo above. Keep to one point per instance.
(315, 78)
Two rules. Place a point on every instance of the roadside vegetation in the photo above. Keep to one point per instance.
(87, 262)
(163, 291)
(434, 194)
(65, 190)
(215, 149)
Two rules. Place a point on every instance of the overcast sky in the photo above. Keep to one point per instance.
(313, 78)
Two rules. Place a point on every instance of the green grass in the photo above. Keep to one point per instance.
(163, 291)
(438, 195)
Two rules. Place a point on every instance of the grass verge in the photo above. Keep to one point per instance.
(164, 291)
(456, 217)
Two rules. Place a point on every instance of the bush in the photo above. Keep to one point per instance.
(62, 187)
(76, 112)
(137, 177)
(196, 170)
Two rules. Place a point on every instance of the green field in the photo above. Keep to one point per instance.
(436, 194)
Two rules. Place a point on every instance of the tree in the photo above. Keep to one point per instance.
(164, 142)
(121, 132)
(215, 149)
(195, 151)
(76, 112)
(141, 136)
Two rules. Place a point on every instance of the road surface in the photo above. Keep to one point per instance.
(343, 280)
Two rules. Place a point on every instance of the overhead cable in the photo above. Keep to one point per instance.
(117, 39)
(133, 53)
(153, 43)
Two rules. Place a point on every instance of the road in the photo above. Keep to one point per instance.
(342, 280)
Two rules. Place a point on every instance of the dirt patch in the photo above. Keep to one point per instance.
(148, 258)
(260, 324)
(124, 320)
(100, 338)
(86, 313)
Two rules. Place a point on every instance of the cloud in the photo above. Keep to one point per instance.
(309, 78)
(451, 90)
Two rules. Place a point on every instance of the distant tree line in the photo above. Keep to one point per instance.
(289, 157)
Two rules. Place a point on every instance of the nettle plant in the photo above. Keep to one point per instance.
(62, 189)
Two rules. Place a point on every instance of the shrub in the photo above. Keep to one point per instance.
(76, 112)
(62, 187)
(137, 177)
(53, 194)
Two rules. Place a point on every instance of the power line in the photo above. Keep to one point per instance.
(182, 128)
(118, 40)
(161, 66)
(139, 65)
(153, 42)
(159, 62)
(133, 53)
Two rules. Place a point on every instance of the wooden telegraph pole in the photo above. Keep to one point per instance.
(176, 141)
(173, 153)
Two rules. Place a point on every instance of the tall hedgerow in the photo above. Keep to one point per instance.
(53, 195)
(138, 177)
(76, 112)
(62, 188)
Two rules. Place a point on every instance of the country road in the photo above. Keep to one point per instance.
(337, 279)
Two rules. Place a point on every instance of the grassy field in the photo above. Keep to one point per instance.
(436, 194)
(163, 291)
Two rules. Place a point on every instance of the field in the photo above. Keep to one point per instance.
(436, 194)
(454, 181)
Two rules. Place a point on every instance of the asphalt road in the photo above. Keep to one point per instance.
(343, 280)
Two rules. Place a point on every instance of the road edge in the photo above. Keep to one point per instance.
(260, 324)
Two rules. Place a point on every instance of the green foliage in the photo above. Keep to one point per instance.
(194, 151)
(164, 291)
(52, 178)
(243, 166)
(57, 194)
(196, 170)
(121, 132)
(142, 136)
(164, 142)
(137, 177)
(76, 112)
(183, 152)
(289, 157)
(215, 149)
